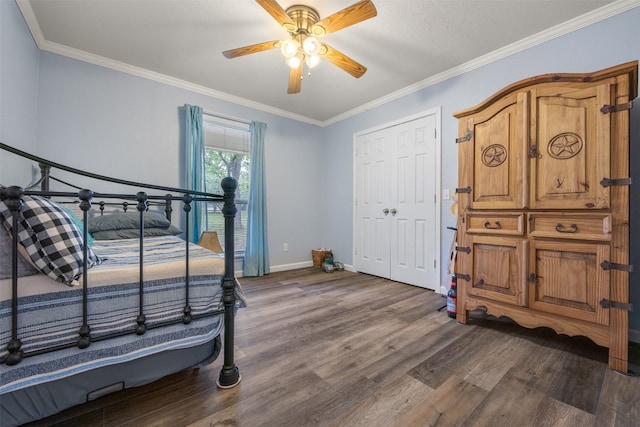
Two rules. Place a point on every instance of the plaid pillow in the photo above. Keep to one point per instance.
(51, 238)
(25, 268)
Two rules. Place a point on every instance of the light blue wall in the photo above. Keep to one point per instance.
(607, 43)
(106, 121)
(120, 125)
(18, 91)
(116, 124)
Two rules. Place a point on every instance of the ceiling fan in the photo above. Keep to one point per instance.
(305, 27)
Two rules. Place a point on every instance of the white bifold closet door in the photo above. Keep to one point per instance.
(397, 202)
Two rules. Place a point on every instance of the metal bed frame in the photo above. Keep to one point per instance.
(229, 374)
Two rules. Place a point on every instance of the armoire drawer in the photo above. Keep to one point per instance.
(580, 226)
(496, 223)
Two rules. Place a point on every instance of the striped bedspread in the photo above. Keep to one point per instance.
(50, 313)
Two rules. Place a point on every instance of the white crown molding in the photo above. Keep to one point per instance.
(32, 22)
(168, 80)
(597, 15)
(519, 46)
(80, 55)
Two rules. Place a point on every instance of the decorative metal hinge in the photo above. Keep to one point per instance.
(465, 249)
(615, 108)
(465, 138)
(463, 190)
(614, 304)
(463, 276)
(606, 265)
(608, 182)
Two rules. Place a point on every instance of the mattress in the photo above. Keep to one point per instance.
(50, 313)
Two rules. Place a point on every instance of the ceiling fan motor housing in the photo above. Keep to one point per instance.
(304, 18)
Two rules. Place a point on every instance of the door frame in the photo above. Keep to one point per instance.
(437, 113)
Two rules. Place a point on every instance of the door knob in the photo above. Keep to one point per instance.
(393, 211)
(385, 211)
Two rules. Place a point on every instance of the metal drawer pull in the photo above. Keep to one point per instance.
(488, 225)
(560, 228)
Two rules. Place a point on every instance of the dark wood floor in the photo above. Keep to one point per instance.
(347, 349)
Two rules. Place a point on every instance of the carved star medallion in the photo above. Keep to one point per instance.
(565, 145)
(494, 155)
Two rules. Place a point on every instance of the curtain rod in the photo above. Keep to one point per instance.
(223, 116)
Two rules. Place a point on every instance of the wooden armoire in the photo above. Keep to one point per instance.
(543, 223)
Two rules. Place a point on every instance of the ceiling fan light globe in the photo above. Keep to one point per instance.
(312, 60)
(294, 61)
(289, 48)
(311, 46)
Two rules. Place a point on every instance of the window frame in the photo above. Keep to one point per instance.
(229, 140)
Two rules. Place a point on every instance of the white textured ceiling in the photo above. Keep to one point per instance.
(408, 45)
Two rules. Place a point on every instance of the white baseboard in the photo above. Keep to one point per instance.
(305, 264)
(294, 266)
(634, 335)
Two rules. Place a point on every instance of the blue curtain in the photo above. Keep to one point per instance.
(194, 157)
(256, 255)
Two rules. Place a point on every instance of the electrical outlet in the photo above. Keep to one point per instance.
(285, 247)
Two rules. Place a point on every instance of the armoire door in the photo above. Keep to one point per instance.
(498, 271)
(396, 225)
(567, 279)
(492, 173)
(570, 145)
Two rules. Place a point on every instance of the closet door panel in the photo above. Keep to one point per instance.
(413, 258)
(372, 198)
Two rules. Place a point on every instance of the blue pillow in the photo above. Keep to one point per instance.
(78, 222)
(127, 220)
(134, 233)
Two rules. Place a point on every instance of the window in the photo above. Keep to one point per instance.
(227, 144)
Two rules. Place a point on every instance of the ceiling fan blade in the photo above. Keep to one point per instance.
(274, 9)
(254, 48)
(343, 61)
(295, 80)
(353, 14)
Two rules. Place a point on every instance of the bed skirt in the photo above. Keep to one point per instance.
(46, 399)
